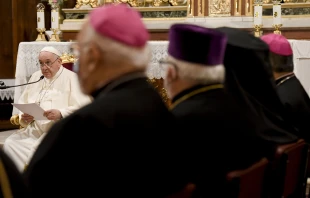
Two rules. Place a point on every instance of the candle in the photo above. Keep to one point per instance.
(40, 19)
(258, 18)
(277, 14)
(55, 19)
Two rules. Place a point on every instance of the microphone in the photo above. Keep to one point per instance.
(3, 86)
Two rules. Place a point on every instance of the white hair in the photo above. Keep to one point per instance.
(202, 73)
(116, 51)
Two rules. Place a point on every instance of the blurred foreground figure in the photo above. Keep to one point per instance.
(249, 79)
(292, 94)
(115, 146)
(221, 137)
(12, 184)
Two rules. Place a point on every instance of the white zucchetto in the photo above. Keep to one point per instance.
(51, 49)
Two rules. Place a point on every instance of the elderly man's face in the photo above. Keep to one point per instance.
(49, 64)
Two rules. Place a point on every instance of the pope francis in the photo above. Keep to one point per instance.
(58, 94)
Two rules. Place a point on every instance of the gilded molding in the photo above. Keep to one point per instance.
(190, 8)
(201, 7)
(219, 7)
(92, 3)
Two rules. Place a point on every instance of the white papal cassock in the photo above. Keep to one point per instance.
(62, 92)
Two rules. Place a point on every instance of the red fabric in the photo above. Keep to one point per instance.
(69, 66)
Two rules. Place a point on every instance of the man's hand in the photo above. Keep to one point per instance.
(52, 114)
(27, 118)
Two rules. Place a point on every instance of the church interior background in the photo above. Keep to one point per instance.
(22, 38)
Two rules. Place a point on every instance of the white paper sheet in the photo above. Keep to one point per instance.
(32, 109)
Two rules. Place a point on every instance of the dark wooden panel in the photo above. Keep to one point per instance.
(18, 22)
(6, 49)
(69, 4)
(159, 36)
(162, 35)
(24, 23)
(289, 33)
(68, 36)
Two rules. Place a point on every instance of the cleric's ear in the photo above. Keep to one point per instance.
(94, 55)
(171, 73)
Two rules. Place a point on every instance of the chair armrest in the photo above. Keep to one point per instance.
(15, 120)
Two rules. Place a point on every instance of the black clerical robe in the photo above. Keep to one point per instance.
(117, 146)
(221, 138)
(296, 102)
(252, 84)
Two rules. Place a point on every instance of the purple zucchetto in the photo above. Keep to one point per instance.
(196, 44)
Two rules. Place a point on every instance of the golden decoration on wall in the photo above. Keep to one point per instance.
(177, 2)
(190, 5)
(134, 3)
(201, 10)
(155, 3)
(219, 8)
(92, 3)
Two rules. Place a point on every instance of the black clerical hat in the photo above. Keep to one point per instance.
(184, 39)
(243, 39)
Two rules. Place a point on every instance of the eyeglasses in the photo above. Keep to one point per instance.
(48, 63)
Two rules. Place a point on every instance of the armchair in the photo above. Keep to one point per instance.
(15, 119)
(68, 61)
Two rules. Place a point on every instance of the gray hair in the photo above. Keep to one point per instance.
(281, 63)
(201, 73)
(116, 51)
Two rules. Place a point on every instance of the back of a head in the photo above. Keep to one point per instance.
(119, 30)
(249, 78)
(281, 53)
(121, 23)
(194, 63)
